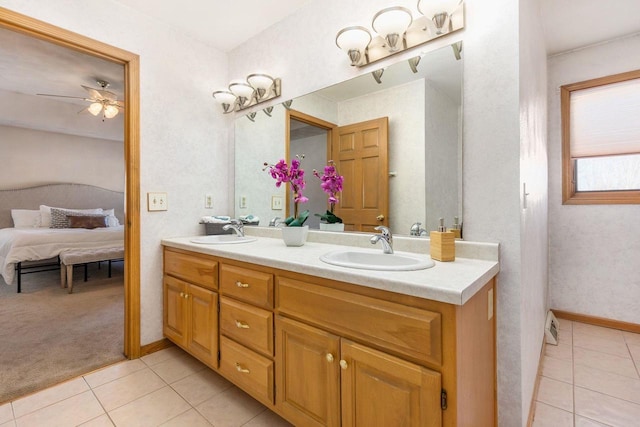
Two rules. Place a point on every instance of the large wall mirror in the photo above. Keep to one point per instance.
(423, 110)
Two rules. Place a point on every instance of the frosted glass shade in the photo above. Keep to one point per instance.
(392, 20)
(241, 90)
(354, 41)
(431, 8)
(95, 108)
(110, 111)
(224, 97)
(262, 83)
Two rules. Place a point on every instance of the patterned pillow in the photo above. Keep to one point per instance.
(59, 217)
(87, 221)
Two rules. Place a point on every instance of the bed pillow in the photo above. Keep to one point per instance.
(86, 221)
(60, 217)
(112, 220)
(45, 214)
(25, 218)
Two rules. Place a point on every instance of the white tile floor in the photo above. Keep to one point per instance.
(590, 379)
(166, 388)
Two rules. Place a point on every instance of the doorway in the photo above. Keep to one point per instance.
(43, 31)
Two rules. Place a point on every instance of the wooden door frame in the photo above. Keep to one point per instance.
(131, 63)
(310, 120)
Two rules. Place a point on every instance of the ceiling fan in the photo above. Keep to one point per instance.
(101, 100)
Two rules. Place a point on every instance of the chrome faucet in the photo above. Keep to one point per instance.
(274, 221)
(417, 230)
(235, 225)
(385, 237)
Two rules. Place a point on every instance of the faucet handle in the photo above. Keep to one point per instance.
(383, 230)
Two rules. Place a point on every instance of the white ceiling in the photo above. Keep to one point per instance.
(570, 24)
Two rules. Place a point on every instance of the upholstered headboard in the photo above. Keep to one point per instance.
(78, 196)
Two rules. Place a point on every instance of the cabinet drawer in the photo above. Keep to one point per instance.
(245, 284)
(199, 270)
(406, 330)
(247, 369)
(248, 325)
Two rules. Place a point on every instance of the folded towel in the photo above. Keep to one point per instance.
(249, 219)
(221, 219)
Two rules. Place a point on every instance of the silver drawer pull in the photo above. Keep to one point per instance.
(242, 325)
(242, 285)
(239, 368)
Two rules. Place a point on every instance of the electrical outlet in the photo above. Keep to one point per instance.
(208, 201)
(243, 202)
(156, 201)
(276, 203)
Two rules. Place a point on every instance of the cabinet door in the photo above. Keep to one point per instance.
(174, 318)
(308, 374)
(202, 339)
(382, 390)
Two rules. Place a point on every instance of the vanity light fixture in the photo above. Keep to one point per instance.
(257, 88)
(391, 23)
(377, 75)
(395, 30)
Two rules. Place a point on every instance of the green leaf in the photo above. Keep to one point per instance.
(297, 222)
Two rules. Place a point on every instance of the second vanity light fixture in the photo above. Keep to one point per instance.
(257, 88)
(396, 30)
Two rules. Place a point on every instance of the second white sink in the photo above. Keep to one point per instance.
(376, 260)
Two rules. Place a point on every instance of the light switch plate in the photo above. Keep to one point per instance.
(156, 202)
(208, 201)
(242, 202)
(276, 203)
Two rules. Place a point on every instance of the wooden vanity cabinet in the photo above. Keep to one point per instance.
(321, 352)
(190, 317)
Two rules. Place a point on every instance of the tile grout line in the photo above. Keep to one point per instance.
(573, 376)
(99, 403)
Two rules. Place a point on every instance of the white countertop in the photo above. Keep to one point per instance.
(450, 282)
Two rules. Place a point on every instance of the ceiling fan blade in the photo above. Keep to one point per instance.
(62, 96)
(109, 96)
(94, 94)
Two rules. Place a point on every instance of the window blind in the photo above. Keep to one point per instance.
(605, 120)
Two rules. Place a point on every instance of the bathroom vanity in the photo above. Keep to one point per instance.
(331, 346)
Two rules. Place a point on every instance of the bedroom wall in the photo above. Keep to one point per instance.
(32, 157)
(183, 137)
(593, 248)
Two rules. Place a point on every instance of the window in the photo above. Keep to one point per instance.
(601, 140)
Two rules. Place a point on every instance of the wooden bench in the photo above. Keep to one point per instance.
(73, 257)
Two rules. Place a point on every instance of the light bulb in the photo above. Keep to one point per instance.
(110, 111)
(95, 108)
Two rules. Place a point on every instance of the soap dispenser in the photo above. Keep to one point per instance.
(455, 229)
(442, 245)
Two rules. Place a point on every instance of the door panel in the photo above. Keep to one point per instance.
(203, 339)
(174, 310)
(360, 151)
(411, 392)
(302, 352)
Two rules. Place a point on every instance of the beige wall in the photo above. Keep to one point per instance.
(32, 157)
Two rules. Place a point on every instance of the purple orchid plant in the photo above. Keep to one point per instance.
(293, 175)
(332, 185)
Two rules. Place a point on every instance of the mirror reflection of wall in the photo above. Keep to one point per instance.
(424, 111)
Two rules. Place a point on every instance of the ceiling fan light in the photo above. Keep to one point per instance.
(110, 111)
(95, 108)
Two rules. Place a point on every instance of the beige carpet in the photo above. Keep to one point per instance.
(48, 335)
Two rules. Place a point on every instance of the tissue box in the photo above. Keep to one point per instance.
(214, 228)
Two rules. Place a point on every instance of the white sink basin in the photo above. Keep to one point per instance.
(222, 239)
(377, 260)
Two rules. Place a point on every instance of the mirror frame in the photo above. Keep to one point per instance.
(131, 62)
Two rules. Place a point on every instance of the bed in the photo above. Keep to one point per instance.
(32, 249)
